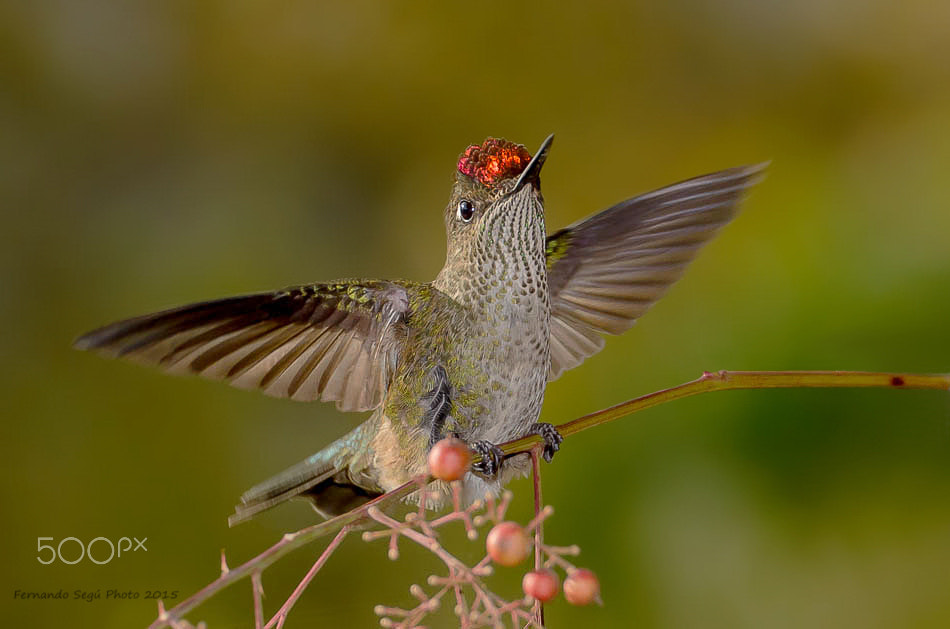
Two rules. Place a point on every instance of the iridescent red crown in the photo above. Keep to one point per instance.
(493, 161)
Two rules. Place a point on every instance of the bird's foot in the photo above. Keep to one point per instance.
(491, 458)
(552, 438)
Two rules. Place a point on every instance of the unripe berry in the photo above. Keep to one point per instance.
(581, 587)
(507, 543)
(540, 585)
(449, 459)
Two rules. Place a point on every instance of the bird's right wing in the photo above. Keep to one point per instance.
(608, 269)
(335, 342)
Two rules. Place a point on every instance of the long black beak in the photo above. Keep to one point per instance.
(532, 173)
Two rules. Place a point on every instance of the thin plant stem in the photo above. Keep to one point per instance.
(258, 602)
(287, 544)
(728, 380)
(539, 529)
(314, 569)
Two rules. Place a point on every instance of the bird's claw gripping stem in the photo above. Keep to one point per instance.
(491, 458)
(552, 438)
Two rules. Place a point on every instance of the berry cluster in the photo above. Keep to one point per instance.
(507, 544)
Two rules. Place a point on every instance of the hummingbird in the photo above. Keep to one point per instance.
(468, 354)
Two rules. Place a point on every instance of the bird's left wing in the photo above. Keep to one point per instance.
(608, 269)
(335, 342)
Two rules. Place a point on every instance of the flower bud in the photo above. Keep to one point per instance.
(507, 543)
(541, 585)
(581, 587)
(449, 459)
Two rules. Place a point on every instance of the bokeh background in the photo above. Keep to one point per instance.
(154, 154)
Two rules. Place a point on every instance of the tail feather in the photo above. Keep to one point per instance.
(322, 477)
(286, 485)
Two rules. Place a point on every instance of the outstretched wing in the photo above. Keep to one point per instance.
(606, 270)
(335, 342)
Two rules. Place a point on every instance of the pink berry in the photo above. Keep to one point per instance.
(581, 587)
(449, 459)
(507, 543)
(540, 585)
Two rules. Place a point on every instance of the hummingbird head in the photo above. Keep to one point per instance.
(493, 161)
(496, 205)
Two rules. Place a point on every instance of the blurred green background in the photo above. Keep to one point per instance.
(154, 154)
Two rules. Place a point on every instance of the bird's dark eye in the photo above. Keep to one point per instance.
(466, 210)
